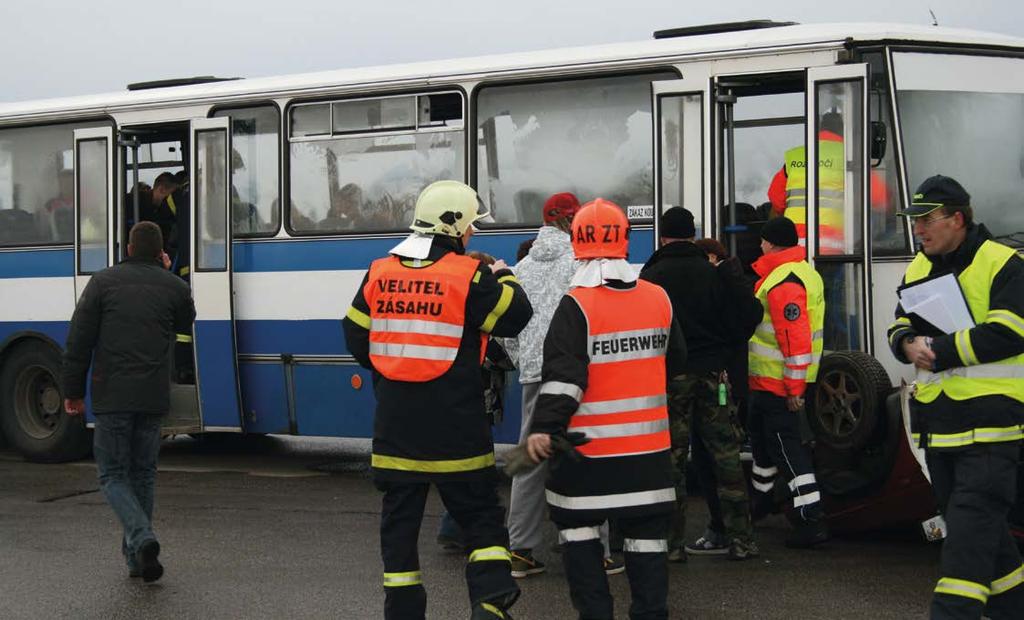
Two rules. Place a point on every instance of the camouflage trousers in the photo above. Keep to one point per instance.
(695, 415)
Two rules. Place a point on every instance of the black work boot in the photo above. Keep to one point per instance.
(808, 534)
(146, 560)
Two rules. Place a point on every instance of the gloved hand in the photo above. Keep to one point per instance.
(517, 460)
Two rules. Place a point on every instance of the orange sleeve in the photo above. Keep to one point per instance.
(879, 193)
(787, 304)
(777, 192)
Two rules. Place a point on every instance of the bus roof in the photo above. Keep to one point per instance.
(422, 73)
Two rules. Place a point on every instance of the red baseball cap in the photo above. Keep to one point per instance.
(562, 205)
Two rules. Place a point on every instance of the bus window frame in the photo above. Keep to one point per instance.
(471, 156)
(280, 154)
(329, 99)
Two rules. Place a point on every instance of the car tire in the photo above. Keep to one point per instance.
(849, 394)
(32, 414)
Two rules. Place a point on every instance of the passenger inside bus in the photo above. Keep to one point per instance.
(57, 219)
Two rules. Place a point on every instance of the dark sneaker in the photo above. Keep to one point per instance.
(146, 560)
(743, 550)
(708, 544)
(524, 564)
(808, 534)
(677, 555)
(613, 566)
(134, 572)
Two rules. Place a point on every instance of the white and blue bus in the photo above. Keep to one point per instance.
(298, 182)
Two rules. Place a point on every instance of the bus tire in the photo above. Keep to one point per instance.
(32, 412)
(850, 391)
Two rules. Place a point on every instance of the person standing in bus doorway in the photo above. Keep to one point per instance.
(123, 326)
(783, 356)
(699, 401)
(968, 406)
(612, 344)
(420, 321)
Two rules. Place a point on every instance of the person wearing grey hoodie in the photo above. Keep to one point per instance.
(544, 275)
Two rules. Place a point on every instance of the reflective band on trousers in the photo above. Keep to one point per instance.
(382, 461)
(765, 472)
(617, 500)
(417, 351)
(642, 545)
(398, 580)
(977, 435)
(494, 610)
(488, 554)
(1014, 579)
(801, 481)
(579, 534)
(560, 388)
(621, 405)
(405, 326)
(764, 487)
(961, 587)
(806, 500)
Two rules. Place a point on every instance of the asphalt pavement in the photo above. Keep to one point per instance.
(287, 528)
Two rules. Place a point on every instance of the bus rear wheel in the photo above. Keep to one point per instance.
(32, 407)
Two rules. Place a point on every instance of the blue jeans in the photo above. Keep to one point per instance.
(126, 446)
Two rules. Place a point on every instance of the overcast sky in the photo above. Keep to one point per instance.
(73, 47)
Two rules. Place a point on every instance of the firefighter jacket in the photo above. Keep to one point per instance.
(419, 325)
(975, 390)
(785, 350)
(607, 358)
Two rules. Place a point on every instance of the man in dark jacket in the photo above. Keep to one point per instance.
(699, 402)
(123, 326)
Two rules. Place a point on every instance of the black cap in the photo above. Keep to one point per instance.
(677, 223)
(780, 231)
(937, 191)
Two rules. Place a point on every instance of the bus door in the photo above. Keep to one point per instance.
(682, 114)
(838, 240)
(216, 361)
(94, 203)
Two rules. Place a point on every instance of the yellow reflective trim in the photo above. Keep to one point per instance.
(399, 580)
(486, 554)
(381, 461)
(184, 271)
(476, 278)
(182, 338)
(508, 278)
(964, 348)
(499, 309)
(170, 203)
(494, 610)
(1007, 319)
(977, 435)
(1014, 579)
(358, 317)
(416, 263)
(961, 587)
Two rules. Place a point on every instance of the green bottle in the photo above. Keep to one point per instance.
(721, 394)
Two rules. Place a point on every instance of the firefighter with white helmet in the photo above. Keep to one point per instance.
(420, 321)
(611, 347)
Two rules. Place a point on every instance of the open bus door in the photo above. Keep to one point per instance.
(94, 203)
(216, 361)
(682, 114)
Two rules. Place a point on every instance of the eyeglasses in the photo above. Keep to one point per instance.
(926, 222)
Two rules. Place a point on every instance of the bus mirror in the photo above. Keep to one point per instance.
(877, 140)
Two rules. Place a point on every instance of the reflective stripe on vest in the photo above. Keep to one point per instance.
(623, 410)
(1003, 377)
(764, 355)
(831, 194)
(417, 316)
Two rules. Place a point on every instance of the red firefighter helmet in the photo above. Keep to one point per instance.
(600, 230)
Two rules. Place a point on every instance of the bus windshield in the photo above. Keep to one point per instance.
(963, 116)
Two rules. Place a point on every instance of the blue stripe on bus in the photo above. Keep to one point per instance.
(37, 263)
(312, 337)
(55, 330)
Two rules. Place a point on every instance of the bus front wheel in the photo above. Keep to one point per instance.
(32, 407)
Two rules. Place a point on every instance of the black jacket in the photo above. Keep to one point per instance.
(124, 326)
(443, 419)
(707, 310)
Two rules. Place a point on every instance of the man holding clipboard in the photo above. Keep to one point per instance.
(969, 402)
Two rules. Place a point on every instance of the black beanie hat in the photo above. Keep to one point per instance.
(780, 231)
(677, 223)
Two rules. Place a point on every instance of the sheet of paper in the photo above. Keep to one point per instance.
(940, 302)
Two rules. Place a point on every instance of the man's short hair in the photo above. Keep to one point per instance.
(165, 179)
(832, 121)
(146, 240)
(966, 210)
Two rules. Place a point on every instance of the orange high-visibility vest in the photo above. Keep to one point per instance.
(417, 315)
(623, 410)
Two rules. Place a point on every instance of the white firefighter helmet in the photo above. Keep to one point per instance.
(447, 208)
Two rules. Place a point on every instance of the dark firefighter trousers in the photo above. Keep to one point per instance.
(981, 568)
(645, 551)
(477, 510)
(775, 441)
